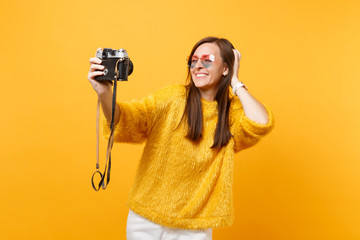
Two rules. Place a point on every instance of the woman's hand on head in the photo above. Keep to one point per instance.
(96, 68)
(235, 78)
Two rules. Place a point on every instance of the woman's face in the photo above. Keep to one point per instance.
(208, 78)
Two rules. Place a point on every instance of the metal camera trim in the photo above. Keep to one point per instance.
(120, 53)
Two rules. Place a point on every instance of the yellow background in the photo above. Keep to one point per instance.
(301, 58)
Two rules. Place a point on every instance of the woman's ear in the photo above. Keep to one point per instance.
(226, 70)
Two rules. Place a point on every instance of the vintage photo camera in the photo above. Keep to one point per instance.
(117, 67)
(113, 59)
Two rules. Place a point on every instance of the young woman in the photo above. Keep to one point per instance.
(183, 184)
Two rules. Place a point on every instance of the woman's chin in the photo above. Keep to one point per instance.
(200, 83)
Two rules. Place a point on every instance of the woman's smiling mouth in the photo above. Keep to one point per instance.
(201, 75)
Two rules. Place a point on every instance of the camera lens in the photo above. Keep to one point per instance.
(131, 67)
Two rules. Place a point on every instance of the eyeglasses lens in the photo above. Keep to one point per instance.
(206, 60)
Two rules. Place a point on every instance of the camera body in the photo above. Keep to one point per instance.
(112, 59)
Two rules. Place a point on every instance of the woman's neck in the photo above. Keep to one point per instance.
(208, 94)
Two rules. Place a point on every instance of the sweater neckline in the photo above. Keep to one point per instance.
(209, 104)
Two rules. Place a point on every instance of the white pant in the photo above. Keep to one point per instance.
(140, 228)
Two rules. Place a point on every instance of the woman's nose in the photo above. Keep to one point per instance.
(198, 64)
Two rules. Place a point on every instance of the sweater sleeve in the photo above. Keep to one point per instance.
(248, 132)
(137, 117)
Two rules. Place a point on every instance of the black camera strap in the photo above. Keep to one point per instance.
(110, 141)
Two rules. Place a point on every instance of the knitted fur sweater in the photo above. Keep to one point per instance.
(180, 183)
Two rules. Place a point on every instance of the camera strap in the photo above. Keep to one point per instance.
(110, 141)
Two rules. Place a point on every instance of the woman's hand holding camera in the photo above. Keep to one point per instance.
(103, 89)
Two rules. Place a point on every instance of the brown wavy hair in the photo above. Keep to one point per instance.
(193, 108)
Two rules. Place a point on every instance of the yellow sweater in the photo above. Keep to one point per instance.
(178, 183)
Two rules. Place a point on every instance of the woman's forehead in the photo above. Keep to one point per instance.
(207, 48)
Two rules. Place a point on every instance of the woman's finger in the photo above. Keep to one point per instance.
(92, 75)
(239, 54)
(95, 60)
(94, 67)
(98, 50)
(235, 54)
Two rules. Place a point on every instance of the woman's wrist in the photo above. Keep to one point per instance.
(104, 92)
(236, 86)
(239, 90)
(234, 81)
